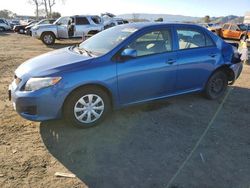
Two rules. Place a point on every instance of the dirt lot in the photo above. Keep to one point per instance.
(185, 141)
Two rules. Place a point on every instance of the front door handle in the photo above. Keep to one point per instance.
(170, 61)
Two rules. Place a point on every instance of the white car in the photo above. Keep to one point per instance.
(4, 25)
(112, 21)
(68, 27)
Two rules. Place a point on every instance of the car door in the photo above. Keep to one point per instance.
(81, 27)
(235, 32)
(62, 27)
(152, 73)
(197, 56)
(225, 31)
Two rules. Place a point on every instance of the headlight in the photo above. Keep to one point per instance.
(38, 83)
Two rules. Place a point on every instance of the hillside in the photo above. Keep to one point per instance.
(180, 18)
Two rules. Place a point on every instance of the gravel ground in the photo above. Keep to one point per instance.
(142, 146)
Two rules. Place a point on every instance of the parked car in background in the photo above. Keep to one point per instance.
(112, 21)
(43, 21)
(68, 27)
(234, 31)
(4, 25)
(121, 66)
(14, 23)
(21, 28)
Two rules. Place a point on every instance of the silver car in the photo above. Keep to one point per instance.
(68, 27)
(4, 25)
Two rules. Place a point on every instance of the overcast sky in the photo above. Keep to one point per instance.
(183, 7)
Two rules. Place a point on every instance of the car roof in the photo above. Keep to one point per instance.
(141, 25)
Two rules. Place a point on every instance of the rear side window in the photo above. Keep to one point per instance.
(82, 21)
(190, 38)
(1, 21)
(96, 19)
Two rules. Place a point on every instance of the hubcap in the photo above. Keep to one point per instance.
(48, 39)
(217, 85)
(1, 29)
(89, 108)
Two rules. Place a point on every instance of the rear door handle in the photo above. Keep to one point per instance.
(213, 55)
(170, 61)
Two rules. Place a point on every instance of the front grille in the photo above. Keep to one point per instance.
(29, 110)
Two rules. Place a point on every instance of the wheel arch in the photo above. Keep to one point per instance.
(44, 32)
(94, 85)
(225, 68)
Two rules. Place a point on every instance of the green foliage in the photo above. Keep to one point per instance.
(159, 20)
(6, 14)
(207, 19)
(55, 15)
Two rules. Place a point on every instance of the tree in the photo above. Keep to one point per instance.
(6, 14)
(135, 17)
(55, 15)
(159, 20)
(37, 4)
(48, 4)
(207, 19)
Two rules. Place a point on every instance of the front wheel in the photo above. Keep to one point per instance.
(48, 38)
(87, 107)
(216, 85)
(2, 29)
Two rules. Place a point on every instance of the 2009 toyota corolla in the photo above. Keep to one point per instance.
(121, 66)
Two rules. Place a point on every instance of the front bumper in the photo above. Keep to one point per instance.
(40, 105)
(35, 34)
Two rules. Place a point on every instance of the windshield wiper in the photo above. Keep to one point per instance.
(81, 50)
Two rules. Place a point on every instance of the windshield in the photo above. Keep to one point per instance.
(105, 41)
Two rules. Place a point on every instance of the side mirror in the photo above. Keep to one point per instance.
(128, 53)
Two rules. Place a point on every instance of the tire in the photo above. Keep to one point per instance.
(243, 37)
(2, 29)
(216, 85)
(74, 112)
(21, 31)
(48, 38)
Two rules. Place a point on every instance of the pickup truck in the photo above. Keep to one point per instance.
(68, 27)
(234, 31)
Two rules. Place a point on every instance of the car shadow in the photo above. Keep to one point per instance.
(140, 146)
(5, 33)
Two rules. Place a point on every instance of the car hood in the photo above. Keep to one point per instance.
(50, 63)
(47, 26)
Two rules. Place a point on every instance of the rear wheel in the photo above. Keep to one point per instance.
(216, 85)
(87, 107)
(48, 38)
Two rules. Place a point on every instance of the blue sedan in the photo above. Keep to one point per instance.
(122, 66)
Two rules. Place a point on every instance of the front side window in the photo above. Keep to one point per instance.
(226, 26)
(152, 43)
(62, 21)
(190, 38)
